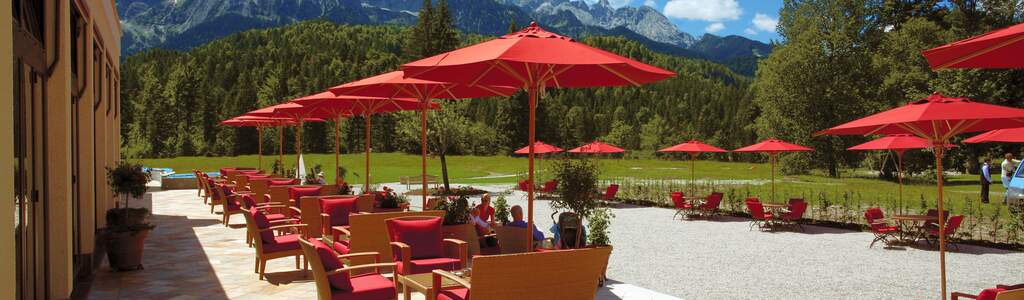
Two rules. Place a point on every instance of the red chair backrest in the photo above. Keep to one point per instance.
(677, 199)
(524, 185)
(795, 200)
(714, 200)
(550, 186)
(796, 210)
(609, 193)
(756, 209)
(954, 223)
(872, 214)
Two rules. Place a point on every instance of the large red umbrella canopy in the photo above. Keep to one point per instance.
(898, 143)
(396, 85)
(331, 106)
(936, 119)
(1010, 135)
(259, 123)
(694, 148)
(533, 59)
(999, 49)
(539, 148)
(288, 110)
(773, 147)
(597, 147)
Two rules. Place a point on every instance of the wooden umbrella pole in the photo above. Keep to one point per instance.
(280, 145)
(772, 158)
(423, 150)
(366, 184)
(532, 90)
(939, 144)
(337, 148)
(899, 176)
(259, 141)
(693, 174)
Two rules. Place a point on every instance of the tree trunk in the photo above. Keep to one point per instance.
(444, 171)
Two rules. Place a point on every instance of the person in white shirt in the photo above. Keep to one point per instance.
(1008, 167)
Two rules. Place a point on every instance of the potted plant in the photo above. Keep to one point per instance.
(577, 182)
(127, 228)
(502, 212)
(392, 201)
(456, 223)
(599, 224)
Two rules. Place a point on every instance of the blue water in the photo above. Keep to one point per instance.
(190, 175)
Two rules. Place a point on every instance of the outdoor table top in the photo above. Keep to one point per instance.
(424, 283)
(915, 218)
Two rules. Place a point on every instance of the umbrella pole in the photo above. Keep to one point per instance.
(298, 147)
(366, 185)
(280, 145)
(259, 154)
(693, 174)
(939, 144)
(337, 149)
(423, 150)
(899, 176)
(532, 90)
(772, 158)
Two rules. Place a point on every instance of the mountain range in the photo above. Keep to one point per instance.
(182, 24)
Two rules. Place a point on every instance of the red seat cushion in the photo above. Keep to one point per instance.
(281, 243)
(342, 247)
(338, 209)
(887, 229)
(275, 217)
(340, 281)
(456, 294)
(367, 287)
(423, 236)
(427, 265)
(296, 193)
(989, 294)
(262, 223)
(282, 182)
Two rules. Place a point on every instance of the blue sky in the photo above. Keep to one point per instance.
(754, 19)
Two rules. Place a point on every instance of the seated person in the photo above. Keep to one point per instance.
(558, 235)
(483, 228)
(486, 211)
(517, 221)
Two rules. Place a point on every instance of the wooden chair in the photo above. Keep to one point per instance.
(1000, 292)
(270, 246)
(369, 234)
(199, 183)
(417, 252)
(328, 272)
(565, 274)
(512, 239)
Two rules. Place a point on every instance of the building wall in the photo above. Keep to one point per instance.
(95, 149)
(7, 250)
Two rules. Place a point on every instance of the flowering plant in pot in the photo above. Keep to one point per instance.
(127, 228)
(392, 201)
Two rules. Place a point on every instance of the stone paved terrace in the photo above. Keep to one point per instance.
(191, 255)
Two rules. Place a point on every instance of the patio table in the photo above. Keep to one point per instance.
(424, 283)
(908, 224)
(695, 202)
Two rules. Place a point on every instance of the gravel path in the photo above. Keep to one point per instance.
(722, 259)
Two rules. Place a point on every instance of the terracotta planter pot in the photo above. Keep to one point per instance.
(604, 269)
(124, 249)
(465, 233)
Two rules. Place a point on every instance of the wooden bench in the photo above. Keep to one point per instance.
(417, 180)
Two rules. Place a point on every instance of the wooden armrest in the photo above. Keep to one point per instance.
(267, 206)
(295, 209)
(461, 249)
(284, 221)
(958, 295)
(1010, 287)
(342, 230)
(376, 255)
(442, 273)
(358, 267)
(453, 241)
(404, 253)
(278, 227)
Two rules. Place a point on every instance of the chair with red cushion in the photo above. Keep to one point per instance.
(334, 212)
(795, 214)
(877, 225)
(549, 187)
(609, 193)
(560, 274)
(952, 224)
(225, 196)
(335, 281)
(710, 206)
(679, 202)
(418, 246)
(524, 185)
(270, 246)
(275, 218)
(296, 193)
(757, 213)
(1000, 292)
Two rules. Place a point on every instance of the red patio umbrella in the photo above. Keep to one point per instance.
(1009, 135)
(694, 148)
(898, 143)
(260, 123)
(396, 85)
(292, 111)
(998, 49)
(330, 106)
(597, 147)
(539, 148)
(935, 118)
(533, 59)
(773, 147)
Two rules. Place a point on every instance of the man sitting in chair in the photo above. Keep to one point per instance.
(517, 221)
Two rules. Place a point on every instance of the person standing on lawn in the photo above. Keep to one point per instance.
(986, 180)
(1008, 167)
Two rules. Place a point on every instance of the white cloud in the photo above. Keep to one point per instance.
(714, 27)
(705, 10)
(749, 31)
(651, 3)
(764, 23)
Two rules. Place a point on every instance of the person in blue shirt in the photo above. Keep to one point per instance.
(986, 180)
(517, 221)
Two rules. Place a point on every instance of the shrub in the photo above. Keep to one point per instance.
(456, 210)
(502, 211)
(599, 223)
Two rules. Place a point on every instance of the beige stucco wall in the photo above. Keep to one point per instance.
(7, 251)
(58, 161)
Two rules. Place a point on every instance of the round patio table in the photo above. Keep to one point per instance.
(908, 225)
